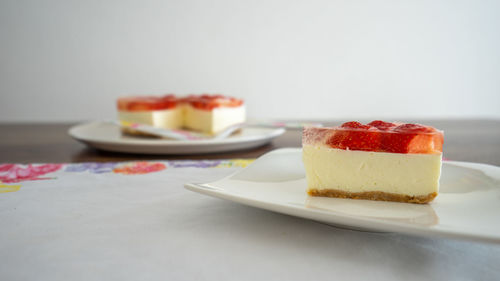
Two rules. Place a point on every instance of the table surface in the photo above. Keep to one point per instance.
(465, 140)
(85, 223)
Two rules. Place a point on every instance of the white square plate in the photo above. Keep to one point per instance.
(467, 207)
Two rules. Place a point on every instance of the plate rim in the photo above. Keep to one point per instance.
(347, 220)
(272, 133)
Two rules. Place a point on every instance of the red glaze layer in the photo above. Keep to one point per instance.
(147, 103)
(209, 102)
(378, 136)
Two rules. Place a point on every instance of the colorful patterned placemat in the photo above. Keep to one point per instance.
(13, 175)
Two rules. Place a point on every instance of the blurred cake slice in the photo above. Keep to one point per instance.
(158, 111)
(208, 114)
(212, 113)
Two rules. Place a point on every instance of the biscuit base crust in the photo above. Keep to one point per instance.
(135, 133)
(373, 195)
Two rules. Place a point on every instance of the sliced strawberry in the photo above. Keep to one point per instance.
(139, 105)
(209, 102)
(355, 136)
(410, 138)
(438, 141)
(121, 103)
(426, 143)
(387, 137)
(396, 143)
(337, 138)
(381, 125)
(354, 125)
(146, 103)
(413, 128)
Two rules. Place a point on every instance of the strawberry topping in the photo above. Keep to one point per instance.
(354, 125)
(413, 128)
(146, 103)
(383, 136)
(209, 102)
(355, 136)
(355, 140)
(397, 143)
(381, 125)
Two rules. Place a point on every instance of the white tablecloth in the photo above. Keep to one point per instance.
(136, 221)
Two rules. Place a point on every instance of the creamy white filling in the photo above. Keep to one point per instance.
(360, 171)
(213, 121)
(187, 116)
(168, 118)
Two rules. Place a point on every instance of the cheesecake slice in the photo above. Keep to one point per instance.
(158, 111)
(208, 114)
(212, 113)
(376, 161)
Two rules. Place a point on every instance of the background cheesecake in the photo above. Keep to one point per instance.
(212, 113)
(208, 114)
(158, 111)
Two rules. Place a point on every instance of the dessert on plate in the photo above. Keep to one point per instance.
(376, 161)
(212, 113)
(158, 111)
(203, 113)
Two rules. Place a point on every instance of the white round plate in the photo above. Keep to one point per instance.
(467, 207)
(107, 136)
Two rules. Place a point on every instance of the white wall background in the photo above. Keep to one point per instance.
(69, 60)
